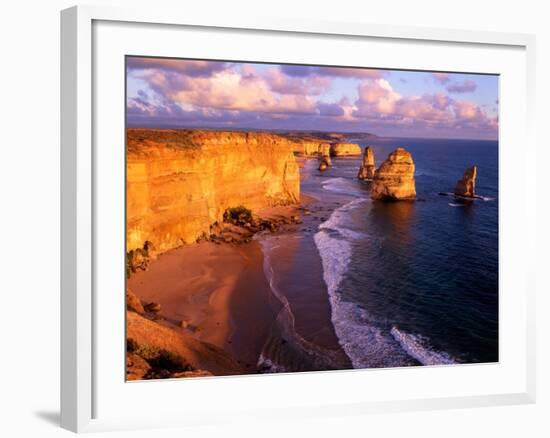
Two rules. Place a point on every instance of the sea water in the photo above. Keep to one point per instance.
(409, 283)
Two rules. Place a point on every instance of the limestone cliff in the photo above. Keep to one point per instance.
(309, 148)
(394, 179)
(180, 182)
(467, 185)
(366, 171)
(344, 149)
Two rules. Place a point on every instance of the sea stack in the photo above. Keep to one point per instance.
(324, 153)
(366, 171)
(467, 185)
(323, 165)
(344, 149)
(394, 179)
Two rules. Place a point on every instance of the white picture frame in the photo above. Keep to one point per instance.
(81, 373)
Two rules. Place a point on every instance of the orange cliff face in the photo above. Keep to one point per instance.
(309, 148)
(344, 149)
(180, 182)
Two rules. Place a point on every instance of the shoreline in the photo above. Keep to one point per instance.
(198, 287)
(218, 293)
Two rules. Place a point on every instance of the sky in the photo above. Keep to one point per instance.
(166, 92)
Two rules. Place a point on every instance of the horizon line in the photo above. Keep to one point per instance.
(306, 131)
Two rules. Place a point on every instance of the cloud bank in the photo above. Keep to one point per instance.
(187, 93)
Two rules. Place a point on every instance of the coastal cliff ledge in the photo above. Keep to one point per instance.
(344, 149)
(180, 182)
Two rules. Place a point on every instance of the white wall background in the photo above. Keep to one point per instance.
(29, 215)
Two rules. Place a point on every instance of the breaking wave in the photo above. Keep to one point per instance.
(419, 347)
(344, 186)
(363, 342)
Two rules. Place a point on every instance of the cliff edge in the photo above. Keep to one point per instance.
(180, 182)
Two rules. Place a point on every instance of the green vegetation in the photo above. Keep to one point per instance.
(238, 215)
(139, 258)
(174, 138)
(158, 358)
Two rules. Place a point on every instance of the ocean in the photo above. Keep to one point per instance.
(389, 284)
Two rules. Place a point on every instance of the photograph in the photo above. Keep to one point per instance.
(285, 218)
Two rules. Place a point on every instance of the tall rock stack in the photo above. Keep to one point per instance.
(366, 171)
(467, 185)
(324, 153)
(324, 156)
(394, 179)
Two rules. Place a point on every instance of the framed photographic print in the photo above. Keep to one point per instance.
(333, 212)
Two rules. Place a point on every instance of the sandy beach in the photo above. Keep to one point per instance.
(218, 294)
(209, 287)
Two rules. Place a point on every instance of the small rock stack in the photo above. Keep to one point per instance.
(366, 171)
(324, 156)
(467, 185)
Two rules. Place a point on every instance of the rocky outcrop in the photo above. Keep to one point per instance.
(169, 351)
(180, 182)
(366, 171)
(324, 153)
(394, 179)
(324, 149)
(344, 149)
(308, 148)
(133, 303)
(324, 157)
(467, 185)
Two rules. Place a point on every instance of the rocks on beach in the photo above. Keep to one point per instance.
(367, 169)
(152, 307)
(133, 303)
(323, 164)
(155, 351)
(466, 186)
(394, 179)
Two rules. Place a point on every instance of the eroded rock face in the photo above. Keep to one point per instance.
(467, 185)
(308, 148)
(324, 149)
(194, 354)
(394, 179)
(344, 149)
(133, 303)
(366, 171)
(324, 157)
(181, 182)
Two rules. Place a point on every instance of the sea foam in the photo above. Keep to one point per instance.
(418, 347)
(363, 342)
(344, 186)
